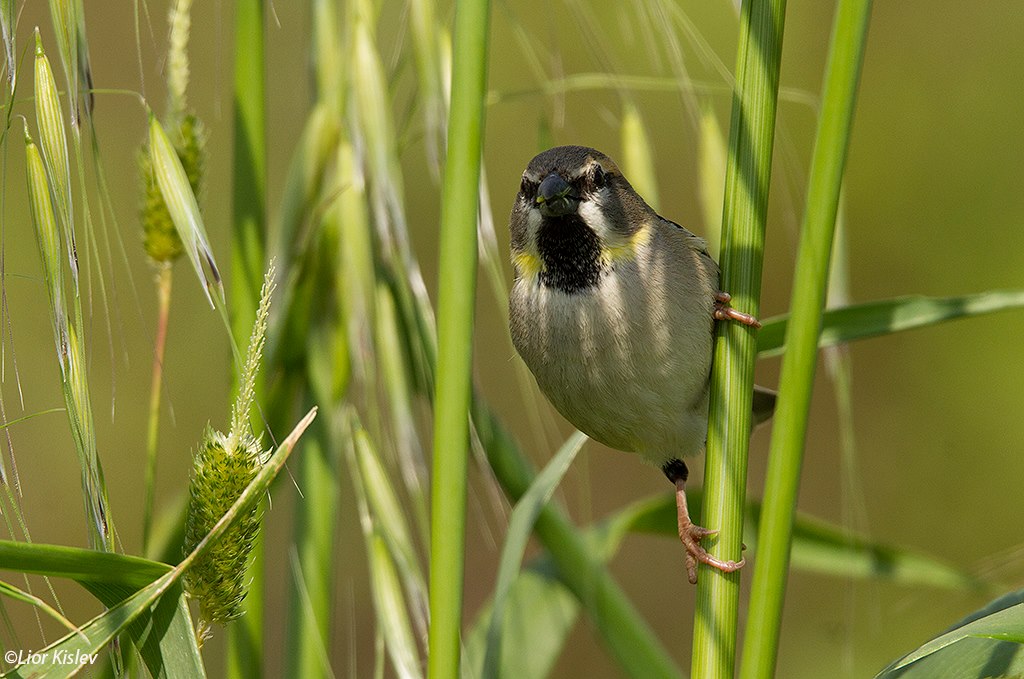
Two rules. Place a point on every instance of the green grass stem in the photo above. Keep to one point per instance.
(164, 278)
(456, 298)
(798, 366)
(748, 174)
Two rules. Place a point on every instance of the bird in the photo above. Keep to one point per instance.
(612, 309)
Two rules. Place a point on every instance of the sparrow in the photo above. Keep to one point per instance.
(613, 310)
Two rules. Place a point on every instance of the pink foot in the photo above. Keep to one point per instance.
(724, 312)
(691, 535)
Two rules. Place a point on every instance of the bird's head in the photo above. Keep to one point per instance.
(575, 215)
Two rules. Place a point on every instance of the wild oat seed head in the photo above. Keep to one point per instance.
(160, 238)
(54, 143)
(48, 239)
(184, 209)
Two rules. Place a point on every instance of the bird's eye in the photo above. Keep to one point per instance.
(528, 188)
(599, 178)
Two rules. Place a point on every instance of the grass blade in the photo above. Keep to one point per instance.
(580, 567)
(392, 616)
(999, 622)
(638, 155)
(520, 526)
(76, 650)
(818, 546)
(540, 611)
(11, 592)
(80, 565)
(872, 319)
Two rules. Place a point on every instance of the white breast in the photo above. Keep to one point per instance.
(626, 363)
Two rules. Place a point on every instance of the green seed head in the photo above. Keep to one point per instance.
(220, 473)
(223, 467)
(159, 236)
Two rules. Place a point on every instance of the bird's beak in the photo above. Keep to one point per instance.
(555, 198)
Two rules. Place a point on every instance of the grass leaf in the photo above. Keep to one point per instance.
(80, 565)
(392, 615)
(819, 546)
(947, 655)
(520, 526)
(10, 591)
(540, 611)
(872, 319)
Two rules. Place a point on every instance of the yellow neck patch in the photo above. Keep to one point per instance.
(625, 250)
(527, 264)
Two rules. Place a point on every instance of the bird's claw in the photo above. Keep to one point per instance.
(691, 535)
(724, 312)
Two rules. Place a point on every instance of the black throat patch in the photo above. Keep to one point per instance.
(571, 253)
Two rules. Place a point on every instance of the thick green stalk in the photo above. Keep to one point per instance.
(795, 384)
(747, 180)
(249, 177)
(457, 292)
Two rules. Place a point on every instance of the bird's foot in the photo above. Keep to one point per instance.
(691, 535)
(724, 312)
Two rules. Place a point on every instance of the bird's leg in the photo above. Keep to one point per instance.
(724, 312)
(691, 535)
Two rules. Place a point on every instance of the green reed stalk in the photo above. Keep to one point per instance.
(810, 285)
(457, 292)
(748, 175)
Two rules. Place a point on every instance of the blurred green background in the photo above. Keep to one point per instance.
(933, 206)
